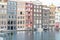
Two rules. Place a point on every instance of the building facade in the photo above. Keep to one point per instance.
(57, 17)
(45, 17)
(3, 16)
(52, 16)
(11, 15)
(21, 14)
(37, 15)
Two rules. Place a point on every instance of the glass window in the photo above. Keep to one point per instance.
(2, 6)
(11, 27)
(2, 22)
(31, 5)
(30, 22)
(28, 17)
(11, 3)
(40, 6)
(18, 17)
(40, 10)
(37, 10)
(9, 17)
(20, 12)
(8, 22)
(37, 6)
(45, 14)
(12, 16)
(28, 12)
(23, 17)
(5, 26)
(8, 27)
(14, 27)
(20, 26)
(20, 22)
(14, 22)
(34, 6)
(11, 22)
(8, 3)
(14, 3)
(23, 22)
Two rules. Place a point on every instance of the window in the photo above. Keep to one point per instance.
(8, 27)
(20, 22)
(23, 22)
(11, 27)
(18, 17)
(40, 10)
(34, 6)
(20, 26)
(37, 6)
(8, 22)
(28, 17)
(30, 22)
(2, 22)
(40, 6)
(23, 17)
(9, 17)
(31, 5)
(5, 26)
(2, 6)
(20, 12)
(12, 17)
(14, 22)
(28, 12)
(11, 22)
(14, 27)
(26, 3)
(45, 14)
(14, 3)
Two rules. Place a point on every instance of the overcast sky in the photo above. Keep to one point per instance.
(48, 2)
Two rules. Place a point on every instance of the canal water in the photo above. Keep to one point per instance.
(30, 35)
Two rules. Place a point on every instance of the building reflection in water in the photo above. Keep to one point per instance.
(29, 35)
(25, 35)
(47, 35)
(8, 36)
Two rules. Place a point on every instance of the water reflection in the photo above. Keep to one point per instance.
(30, 35)
(7, 35)
(48, 35)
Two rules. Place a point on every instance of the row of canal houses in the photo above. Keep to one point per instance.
(26, 15)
